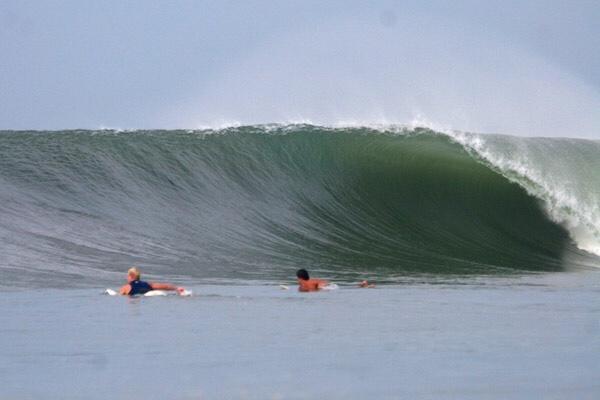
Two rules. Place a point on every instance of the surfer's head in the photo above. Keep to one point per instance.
(302, 274)
(133, 274)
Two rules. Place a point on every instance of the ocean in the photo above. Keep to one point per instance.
(485, 252)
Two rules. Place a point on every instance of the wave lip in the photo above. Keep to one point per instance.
(562, 173)
(255, 202)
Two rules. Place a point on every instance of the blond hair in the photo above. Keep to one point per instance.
(134, 272)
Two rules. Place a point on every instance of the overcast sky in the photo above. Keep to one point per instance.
(528, 68)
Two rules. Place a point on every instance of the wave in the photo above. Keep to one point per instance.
(256, 202)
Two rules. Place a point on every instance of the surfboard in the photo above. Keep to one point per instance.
(331, 286)
(152, 293)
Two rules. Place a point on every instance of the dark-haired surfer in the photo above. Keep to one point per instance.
(305, 284)
(136, 286)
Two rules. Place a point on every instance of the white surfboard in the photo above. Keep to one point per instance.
(152, 293)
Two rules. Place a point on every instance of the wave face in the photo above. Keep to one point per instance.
(258, 202)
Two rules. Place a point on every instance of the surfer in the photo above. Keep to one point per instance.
(136, 286)
(306, 284)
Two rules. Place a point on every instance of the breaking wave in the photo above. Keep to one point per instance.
(256, 202)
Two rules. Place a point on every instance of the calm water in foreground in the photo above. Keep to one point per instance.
(499, 338)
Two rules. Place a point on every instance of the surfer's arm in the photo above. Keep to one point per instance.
(125, 289)
(321, 283)
(163, 286)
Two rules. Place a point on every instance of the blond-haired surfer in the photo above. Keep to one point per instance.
(136, 286)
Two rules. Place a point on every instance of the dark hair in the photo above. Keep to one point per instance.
(302, 274)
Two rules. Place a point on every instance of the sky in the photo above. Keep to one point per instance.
(516, 67)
